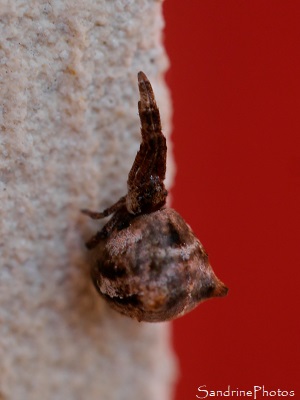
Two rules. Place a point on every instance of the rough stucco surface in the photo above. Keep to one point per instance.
(69, 134)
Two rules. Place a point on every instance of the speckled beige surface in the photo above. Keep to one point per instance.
(69, 134)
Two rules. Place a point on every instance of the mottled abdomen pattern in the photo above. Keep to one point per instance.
(153, 268)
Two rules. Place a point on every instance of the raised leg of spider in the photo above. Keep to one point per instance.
(146, 191)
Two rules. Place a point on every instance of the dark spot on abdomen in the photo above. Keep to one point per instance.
(110, 271)
(174, 238)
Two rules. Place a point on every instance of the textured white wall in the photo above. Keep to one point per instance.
(69, 134)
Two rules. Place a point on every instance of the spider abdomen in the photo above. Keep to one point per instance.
(154, 269)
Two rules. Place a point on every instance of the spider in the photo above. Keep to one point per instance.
(148, 264)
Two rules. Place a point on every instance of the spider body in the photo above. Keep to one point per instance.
(147, 262)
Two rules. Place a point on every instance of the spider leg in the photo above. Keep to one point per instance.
(108, 211)
(120, 215)
(149, 167)
(151, 158)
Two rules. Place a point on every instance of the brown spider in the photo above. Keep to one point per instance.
(148, 264)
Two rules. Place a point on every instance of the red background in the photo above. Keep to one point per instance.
(234, 77)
